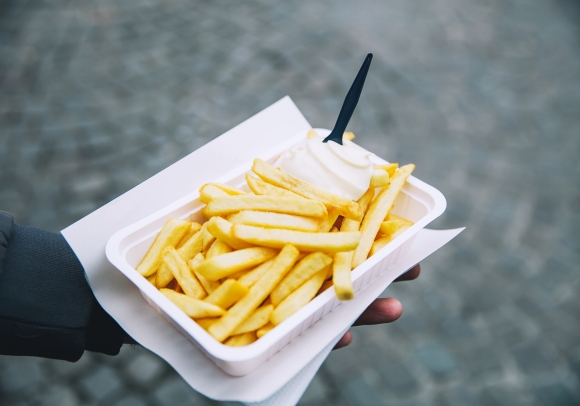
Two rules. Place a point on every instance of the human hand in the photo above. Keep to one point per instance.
(381, 310)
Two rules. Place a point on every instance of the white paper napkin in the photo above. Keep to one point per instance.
(283, 379)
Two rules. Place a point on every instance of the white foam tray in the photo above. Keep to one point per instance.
(418, 202)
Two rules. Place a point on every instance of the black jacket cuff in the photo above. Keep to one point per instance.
(47, 308)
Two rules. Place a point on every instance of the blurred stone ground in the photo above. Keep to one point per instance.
(484, 96)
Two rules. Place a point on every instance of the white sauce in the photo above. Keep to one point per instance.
(344, 170)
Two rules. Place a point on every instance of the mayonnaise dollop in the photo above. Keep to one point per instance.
(344, 170)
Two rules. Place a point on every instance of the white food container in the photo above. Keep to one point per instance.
(417, 202)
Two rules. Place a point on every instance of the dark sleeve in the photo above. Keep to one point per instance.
(47, 308)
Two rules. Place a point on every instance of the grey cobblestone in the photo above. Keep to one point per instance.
(95, 97)
(100, 384)
(57, 395)
(175, 392)
(143, 369)
(21, 374)
(436, 358)
(131, 400)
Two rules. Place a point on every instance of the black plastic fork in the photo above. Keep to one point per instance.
(350, 102)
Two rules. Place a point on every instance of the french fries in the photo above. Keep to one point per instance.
(222, 229)
(390, 168)
(276, 220)
(226, 264)
(231, 204)
(378, 209)
(241, 339)
(230, 190)
(329, 222)
(188, 250)
(309, 242)
(169, 236)
(256, 321)
(307, 267)
(195, 227)
(259, 187)
(192, 307)
(342, 261)
(218, 247)
(262, 256)
(253, 276)
(181, 272)
(223, 328)
(227, 294)
(342, 205)
(262, 331)
(193, 264)
(380, 178)
(297, 299)
(209, 192)
(392, 225)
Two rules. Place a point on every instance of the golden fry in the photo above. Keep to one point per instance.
(208, 192)
(275, 220)
(193, 246)
(312, 134)
(364, 202)
(391, 226)
(241, 339)
(227, 264)
(183, 274)
(341, 267)
(209, 286)
(207, 237)
(348, 135)
(297, 299)
(309, 242)
(399, 218)
(169, 236)
(206, 322)
(255, 274)
(302, 271)
(377, 212)
(345, 207)
(325, 285)
(257, 320)
(341, 277)
(223, 328)
(227, 294)
(187, 251)
(163, 276)
(230, 190)
(259, 187)
(390, 168)
(195, 227)
(327, 224)
(262, 331)
(218, 247)
(329, 268)
(383, 241)
(192, 307)
(231, 204)
(380, 178)
(239, 274)
(222, 229)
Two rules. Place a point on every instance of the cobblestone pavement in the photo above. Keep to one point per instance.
(483, 95)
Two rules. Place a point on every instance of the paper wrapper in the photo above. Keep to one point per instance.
(283, 379)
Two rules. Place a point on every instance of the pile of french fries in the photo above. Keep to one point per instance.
(263, 255)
